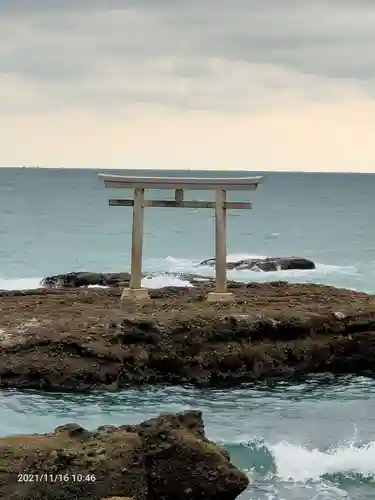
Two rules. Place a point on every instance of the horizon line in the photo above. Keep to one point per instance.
(39, 167)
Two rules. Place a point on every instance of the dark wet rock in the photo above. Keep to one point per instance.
(268, 264)
(164, 458)
(85, 339)
(82, 279)
(115, 280)
(111, 280)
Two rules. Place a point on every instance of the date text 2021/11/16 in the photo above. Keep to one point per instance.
(56, 478)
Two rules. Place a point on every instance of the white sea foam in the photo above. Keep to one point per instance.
(168, 271)
(300, 464)
(180, 266)
(163, 281)
(310, 473)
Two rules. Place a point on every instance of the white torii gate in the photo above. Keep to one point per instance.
(220, 184)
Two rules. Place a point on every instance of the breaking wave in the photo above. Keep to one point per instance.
(293, 462)
(284, 467)
(170, 272)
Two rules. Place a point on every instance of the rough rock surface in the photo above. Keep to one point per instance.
(164, 458)
(268, 264)
(83, 339)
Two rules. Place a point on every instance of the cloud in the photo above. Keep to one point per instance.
(99, 62)
(112, 51)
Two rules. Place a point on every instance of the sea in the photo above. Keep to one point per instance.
(311, 439)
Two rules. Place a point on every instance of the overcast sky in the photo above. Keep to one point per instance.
(230, 84)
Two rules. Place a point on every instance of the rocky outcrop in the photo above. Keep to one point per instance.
(164, 458)
(84, 339)
(115, 280)
(111, 280)
(82, 279)
(267, 264)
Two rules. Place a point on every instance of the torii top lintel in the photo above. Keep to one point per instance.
(204, 183)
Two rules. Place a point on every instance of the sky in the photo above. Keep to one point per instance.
(188, 84)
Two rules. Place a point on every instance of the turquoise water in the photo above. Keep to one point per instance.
(313, 440)
(58, 220)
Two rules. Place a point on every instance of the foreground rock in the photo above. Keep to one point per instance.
(164, 458)
(268, 264)
(84, 339)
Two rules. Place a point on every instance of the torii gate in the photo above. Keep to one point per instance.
(220, 184)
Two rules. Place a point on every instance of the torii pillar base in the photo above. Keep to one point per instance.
(220, 297)
(136, 294)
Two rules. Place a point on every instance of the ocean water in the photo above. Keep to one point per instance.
(314, 439)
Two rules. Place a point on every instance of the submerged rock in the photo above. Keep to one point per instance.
(267, 264)
(164, 458)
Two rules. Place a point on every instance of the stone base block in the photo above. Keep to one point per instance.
(135, 294)
(221, 297)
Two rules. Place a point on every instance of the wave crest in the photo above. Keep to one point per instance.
(348, 462)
